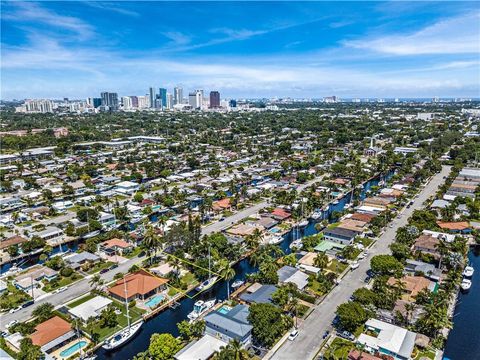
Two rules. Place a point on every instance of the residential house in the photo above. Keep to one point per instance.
(340, 235)
(419, 267)
(138, 285)
(76, 260)
(289, 274)
(126, 187)
(31, 278)
(280, 214)
(426, 244)
(91, 308)
(258, 293)
(231, 325)
(462, 227)
(412, 285)
(115, 246)
(52, 334)
(390, 340)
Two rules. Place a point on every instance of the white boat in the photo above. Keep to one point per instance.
(297, 244)
(122, 337)
(207, 284)
(335, 202)
(274, 239)
(199, 308)
(316, 215)
(126, 334)
(468, 271)
(237, 283)
(303, 223)
(347, 206)
(466, 284)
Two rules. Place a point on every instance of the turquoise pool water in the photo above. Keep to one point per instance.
(73, 349)
(274, 230)
(224, 310)
(154, 301)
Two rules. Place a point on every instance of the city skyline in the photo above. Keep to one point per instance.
(253, 50)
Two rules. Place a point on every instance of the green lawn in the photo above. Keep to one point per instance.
(336, 266)
(339, 349)
(365, 241)
(133, 253)
(13, 297)
(61, 281)
(188, 279)
(81, 300)
(135, 314)
(428, 353)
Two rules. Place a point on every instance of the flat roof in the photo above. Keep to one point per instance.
(201, 349)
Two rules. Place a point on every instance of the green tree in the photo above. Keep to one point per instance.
(28, 351)
(163, 346)
(108, 318)
(233, 351)
(321, 260)
(268, 322)
(43, 312)
(351, 315)
(386, 265)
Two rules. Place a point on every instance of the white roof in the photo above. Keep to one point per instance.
(202, 349)
(127, 184)
(90, 308)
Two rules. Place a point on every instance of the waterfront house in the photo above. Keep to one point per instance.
(230, 325)
(12, 240)
(91, 308)
(461, 227)
(414, 267)
(258, 293)
(427, 244)
(390, 340)
(31, 278)
(139, 285)
(52, 334)
(280, 214)
(201, 349)
(340, 235)
(412, 285)
(220, 205)
(76, 260)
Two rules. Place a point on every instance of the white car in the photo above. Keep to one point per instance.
(293, 335)
(354, 265)
(361, 256)
(11, 323)
(62, 289)
(14, 310)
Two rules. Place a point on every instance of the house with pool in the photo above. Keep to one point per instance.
(58, 339)
(227, 324)
(147, 289)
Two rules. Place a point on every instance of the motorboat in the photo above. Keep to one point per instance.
(274, 239)
(468, 271)
(122, 337)
(466, 284)
(347, 206)
(237, 283)
(207, 284)
(335, 202)
(316, 215)
(297, 244)
(199, 308)
(303, 223)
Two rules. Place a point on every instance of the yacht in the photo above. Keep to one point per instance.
(335, 202)
(237, 283)
(297, 244)
(274, 239)
(316, 215)
(468, 271)
(466, 284)
(199, 308)
(347, 206)
(207, 284)
(126, 334)
(122, 337)
(303, 223)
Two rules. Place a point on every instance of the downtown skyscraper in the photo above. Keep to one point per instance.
(177, 95)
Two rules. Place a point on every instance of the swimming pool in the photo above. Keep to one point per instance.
(274, 230)
(73, 349)
(224, 309)
(154, 301)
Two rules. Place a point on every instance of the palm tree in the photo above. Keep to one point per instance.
(150, 242)
(227, 273)
(96, 281)
(321, 260)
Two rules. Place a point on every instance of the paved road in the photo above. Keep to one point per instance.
(83, 287)
(75, 290)
(307, 344)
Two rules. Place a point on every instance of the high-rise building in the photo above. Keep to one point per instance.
(169, 105)
(178, 95)
(143, 102)
(233, 103)
(127, 102)
(94, 102)
(153, 97)
(37, 106)
(134, 100)
(214, 99)
(162, 95)
(110, 99)
(192, 100)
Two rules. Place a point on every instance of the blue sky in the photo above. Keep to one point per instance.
(249, 49)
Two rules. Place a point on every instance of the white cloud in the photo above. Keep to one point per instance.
(31, 12)
(177, 37)
(113, 7)
(456, 35)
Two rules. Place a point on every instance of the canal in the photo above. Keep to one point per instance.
(166, 321)
(464, 339)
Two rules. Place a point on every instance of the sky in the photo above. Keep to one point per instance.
(77, 49)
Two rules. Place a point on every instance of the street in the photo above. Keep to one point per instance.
(308, 342)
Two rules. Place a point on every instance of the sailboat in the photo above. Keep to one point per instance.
(126, 334)
(207, 284)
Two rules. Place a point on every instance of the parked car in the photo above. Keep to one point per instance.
(61, 289)
(325, 334)
(293, 335)
(28, 303)
(103, 271)
(346, 335)
(354, 265)
(14, 310)
(11, 323)
(367, 279)
(114, 266)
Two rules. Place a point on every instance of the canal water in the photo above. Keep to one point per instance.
(464, 340)
(166, 321)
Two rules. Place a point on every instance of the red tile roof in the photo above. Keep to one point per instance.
(459, 225)
(50, 330)
(138, 283)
